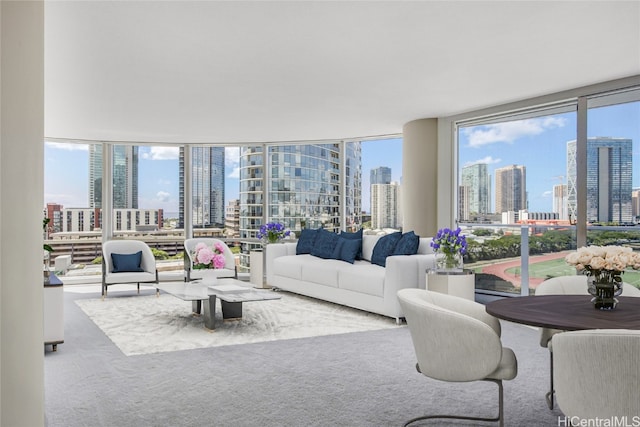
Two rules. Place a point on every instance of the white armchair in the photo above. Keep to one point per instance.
(457, 340)
(597, 374)
(121, 263)
(566, 285)
(229, 270)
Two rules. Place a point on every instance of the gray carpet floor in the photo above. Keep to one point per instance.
(355, 379)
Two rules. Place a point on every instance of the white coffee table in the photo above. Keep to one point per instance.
(231, 302)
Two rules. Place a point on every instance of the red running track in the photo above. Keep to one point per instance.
(500, 269)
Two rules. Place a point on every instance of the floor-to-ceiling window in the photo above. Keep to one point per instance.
(519, 176)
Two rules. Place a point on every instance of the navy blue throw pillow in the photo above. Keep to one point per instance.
(408, 244)
(325, 244)
(349, 249)
(127, 262)
(384, 247)
(305, 241)
(354, 236)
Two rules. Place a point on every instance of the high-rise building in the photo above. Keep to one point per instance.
(232, 218)
(476, 179)
(125, 176)
(609, 183)
(511, 188)
(380, 175)
(207, 187)
(560, 201)
(304, 184)
(384, 206)
(463, 203)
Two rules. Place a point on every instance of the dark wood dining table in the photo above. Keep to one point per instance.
(566, 312)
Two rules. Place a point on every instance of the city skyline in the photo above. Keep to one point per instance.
(539, 144)
(67, 171)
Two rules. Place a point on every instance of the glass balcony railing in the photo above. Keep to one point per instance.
(515, 259)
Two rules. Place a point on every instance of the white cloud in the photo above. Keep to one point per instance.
(510, 131)
(232, 161)
(160, 153)
(68, 146)
(547, 194)
(235, 173)
(163, 196)
(488, 160)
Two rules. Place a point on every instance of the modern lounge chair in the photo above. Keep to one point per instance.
(229, 270)
(127, 261)
(566, 285)
(456, 340)
(597, 374)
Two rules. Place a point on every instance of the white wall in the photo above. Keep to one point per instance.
(21, 196)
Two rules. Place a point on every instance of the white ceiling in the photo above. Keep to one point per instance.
(236, 71)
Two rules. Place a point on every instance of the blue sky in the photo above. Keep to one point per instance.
(67, 171)
(538, 143)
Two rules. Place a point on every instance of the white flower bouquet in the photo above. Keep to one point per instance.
(605, 263)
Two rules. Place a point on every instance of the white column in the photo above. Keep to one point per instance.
(420, 176)
(21, 213)
(188, 193)
(107, 192)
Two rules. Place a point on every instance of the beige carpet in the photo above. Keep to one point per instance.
(150, 324)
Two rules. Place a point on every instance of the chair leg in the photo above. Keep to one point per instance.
(138, 288)
(499, 418)
(551, 392)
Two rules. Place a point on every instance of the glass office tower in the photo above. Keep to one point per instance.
(125, 176)
(476, 179)
(609, 180)
(207, 186)
(380, 175)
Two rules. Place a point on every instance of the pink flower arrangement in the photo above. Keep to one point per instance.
(207, 257)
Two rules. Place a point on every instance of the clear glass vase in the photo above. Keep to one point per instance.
(449, 261)
(604, 293)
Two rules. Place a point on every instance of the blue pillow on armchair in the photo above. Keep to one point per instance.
(384, 247)
(127, 262)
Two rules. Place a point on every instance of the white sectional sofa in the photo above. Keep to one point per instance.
(361, 285)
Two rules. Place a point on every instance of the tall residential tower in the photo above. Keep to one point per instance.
(511, 189)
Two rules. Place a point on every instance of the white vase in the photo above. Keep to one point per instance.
(209, 276)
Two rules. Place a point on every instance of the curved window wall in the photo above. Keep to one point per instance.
(538, 182)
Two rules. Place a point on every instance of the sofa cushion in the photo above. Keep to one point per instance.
(362, 277)
(368, 243)
(408, 244)
(349, 249)
(384, 248)
(321, 271)
(305, 241)
(325, 245)
(289, 266)
(126, 262)
(354, 236)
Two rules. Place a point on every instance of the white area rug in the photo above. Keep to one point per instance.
(150, 324)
